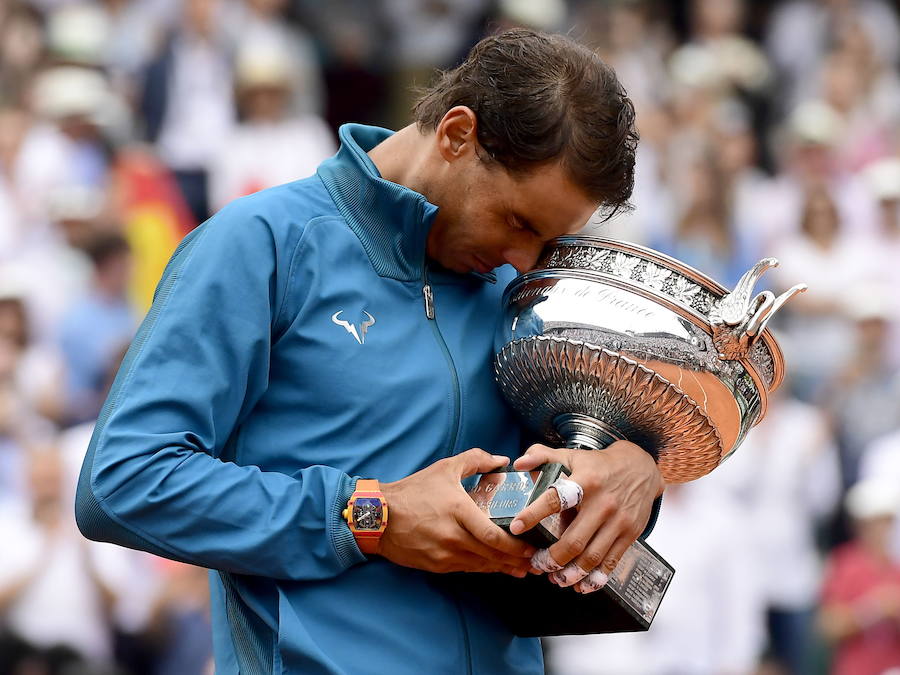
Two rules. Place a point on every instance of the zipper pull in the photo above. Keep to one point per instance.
(429, 301)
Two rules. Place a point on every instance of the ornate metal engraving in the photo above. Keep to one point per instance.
(642, 344)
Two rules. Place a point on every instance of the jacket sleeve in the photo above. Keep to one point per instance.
(154, 478)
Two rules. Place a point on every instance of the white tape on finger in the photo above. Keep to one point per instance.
(593, 581)
(543, 561)
(570, 493)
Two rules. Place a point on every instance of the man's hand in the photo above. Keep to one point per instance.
(434, 525)
(619, 483)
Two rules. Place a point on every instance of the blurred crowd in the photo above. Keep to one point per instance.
(768, 129)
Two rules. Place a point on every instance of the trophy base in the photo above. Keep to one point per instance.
(534, 606)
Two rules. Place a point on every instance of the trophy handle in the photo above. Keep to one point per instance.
(737, 320)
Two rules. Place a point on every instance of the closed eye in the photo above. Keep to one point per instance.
(519, 223)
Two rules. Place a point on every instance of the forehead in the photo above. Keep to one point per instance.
(548, 199)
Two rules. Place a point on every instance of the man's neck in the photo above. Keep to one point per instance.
(402, 158)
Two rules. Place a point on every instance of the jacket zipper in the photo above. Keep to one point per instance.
(428, 295)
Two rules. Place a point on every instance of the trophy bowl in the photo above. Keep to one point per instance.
(607, 340)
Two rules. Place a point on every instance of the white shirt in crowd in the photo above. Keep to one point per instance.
(881, 460)
(787, 475)
(258, 156)
(61, 604)
(711, 618)
(200, 110)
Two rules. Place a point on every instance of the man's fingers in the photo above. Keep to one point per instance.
(477, 460)
(531, 515)
(580, 534)
(600, 575)
(473, 519)
(602, 554)
(472, 545)
(536, 455)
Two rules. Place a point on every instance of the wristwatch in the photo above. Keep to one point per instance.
(367, 515)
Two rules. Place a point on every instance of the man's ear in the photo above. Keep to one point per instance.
(457, 134)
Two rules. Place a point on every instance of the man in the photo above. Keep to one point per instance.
(341, 327)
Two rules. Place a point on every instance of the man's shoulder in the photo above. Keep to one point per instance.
(281, 214)
(294, 203)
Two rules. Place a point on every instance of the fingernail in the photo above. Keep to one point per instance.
(569, 575)
(594, 581)
(517, 527)
(501, 458)
(544, 561)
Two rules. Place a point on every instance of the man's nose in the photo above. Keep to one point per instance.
(523, 259)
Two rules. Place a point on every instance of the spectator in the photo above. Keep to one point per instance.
(38, 367)
(818, 339)
(860, 612)
(52, 591)
(864, 397)
(253, 156)
(820, 23)
(188, 101)
(95, 328)
(881, 460)
(260, 25)
(704, 236)
(786, 475)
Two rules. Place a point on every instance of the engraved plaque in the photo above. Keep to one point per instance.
(503, 494)
(640, 581)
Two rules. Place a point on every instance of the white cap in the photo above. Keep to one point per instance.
(872, 498)
(12, 283)
(883, 178)
(537, 14)
(695, 67)
(79, 33)
(815, 122)
(71, 90)
(75, 202)
(260, 64)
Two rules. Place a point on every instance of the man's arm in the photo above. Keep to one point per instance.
(153, 478)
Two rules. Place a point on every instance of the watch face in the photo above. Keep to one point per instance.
(367, 513)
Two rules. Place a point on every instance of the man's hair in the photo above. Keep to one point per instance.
(540, 98)
(105, 246)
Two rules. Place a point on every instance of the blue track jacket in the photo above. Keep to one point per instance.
(286, 353)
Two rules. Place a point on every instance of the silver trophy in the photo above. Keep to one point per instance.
(606, 340)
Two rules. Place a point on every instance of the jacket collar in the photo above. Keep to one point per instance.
(391, 220)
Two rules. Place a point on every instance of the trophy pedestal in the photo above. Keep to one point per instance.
(536, 607)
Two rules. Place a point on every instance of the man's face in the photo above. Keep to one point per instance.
(489, 217)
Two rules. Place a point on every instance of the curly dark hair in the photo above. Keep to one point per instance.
(540, 98)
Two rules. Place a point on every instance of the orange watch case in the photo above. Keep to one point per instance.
(367, 496)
